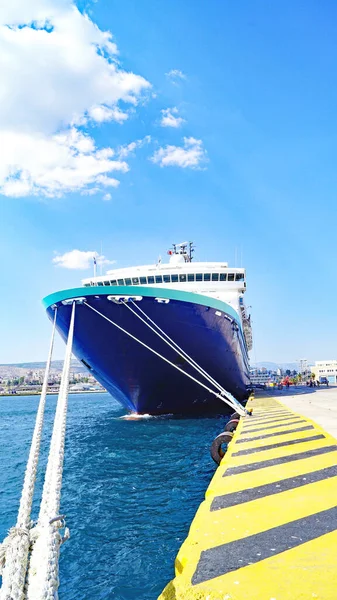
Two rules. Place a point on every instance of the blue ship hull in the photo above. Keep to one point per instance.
(208, 330)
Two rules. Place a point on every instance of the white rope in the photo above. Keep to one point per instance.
(42, 577)
(170, 342)
(15, 548)
(231, 401)
(183, 354)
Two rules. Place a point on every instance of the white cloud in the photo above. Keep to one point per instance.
(58, 72)
(175, 75)
(191, 154)
(107, 197)
(124, 151)
(79, 259)
(103, 113)
(169, 119)
(52, 165)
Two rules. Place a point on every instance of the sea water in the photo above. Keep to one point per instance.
(130, 490)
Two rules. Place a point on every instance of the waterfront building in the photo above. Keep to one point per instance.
(325, 368)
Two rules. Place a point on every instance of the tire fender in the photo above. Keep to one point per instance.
(232, 425)
(217, 452)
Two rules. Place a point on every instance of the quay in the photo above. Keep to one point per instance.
(267, 529)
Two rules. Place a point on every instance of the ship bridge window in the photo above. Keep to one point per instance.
(135, 280)
(107, 283)
(142, 280)
(223, 276)
(159, 279)
(207, 277)
(239, 277)
(230, 276)
(128, 281)
(150, 279)
(120, 281)
(182, 277)
(100, 283)
(190, 277)
(198, 277)
(113, 282)
(215, 276)
(167, 279)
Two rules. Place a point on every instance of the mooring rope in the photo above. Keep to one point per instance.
(170, 342)
(42, 576)
(228, 399)
(14, 550)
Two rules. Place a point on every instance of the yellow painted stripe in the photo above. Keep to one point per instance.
(305, 571)
(270, 474)
(240, 521)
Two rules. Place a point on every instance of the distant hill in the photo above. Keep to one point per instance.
(271, 366)
(56, 364)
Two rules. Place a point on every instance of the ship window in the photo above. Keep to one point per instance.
(182, 277)
(207, 277)
(150, 279)
(142, 280)
(239, 277)
(223, 276)
(215, 276)
(190, 277)
(230, 276)
(174, 278)
(159, 279)
(128, 281)
(113, 282)
(100, 283)
(107, 283)
(198, 277)
(167, 279)
(120, 281)
(135, 280)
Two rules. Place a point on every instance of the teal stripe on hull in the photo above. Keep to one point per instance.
(128, 290)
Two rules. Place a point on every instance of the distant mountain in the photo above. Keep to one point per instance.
(56, 364)
(271, 366)
(77, 366)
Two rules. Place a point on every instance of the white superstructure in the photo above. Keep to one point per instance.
(213, 279)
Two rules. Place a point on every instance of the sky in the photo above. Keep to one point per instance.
(126, 126)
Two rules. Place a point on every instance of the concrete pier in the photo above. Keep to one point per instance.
(267, 529)
(319, 404)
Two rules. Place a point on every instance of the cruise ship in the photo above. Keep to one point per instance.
(166, 338)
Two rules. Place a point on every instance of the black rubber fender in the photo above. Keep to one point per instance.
(217, 452)
(234, 416)
(232, 424)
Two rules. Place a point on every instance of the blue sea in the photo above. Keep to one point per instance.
(130, 491)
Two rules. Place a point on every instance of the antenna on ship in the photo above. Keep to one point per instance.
(182, 250)
(95, 265)
(191, 249)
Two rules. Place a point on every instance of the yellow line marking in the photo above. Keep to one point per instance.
(301, 573)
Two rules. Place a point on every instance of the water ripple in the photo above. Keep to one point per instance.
(130, 490)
